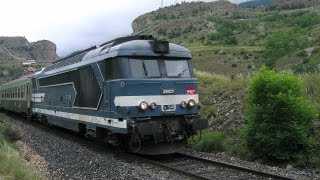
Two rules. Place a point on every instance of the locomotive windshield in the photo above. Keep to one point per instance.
(144, 68)
(119, 68)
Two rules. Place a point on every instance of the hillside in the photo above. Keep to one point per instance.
(15, 50)
(228, 39)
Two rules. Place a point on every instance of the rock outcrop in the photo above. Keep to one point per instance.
(20, 47)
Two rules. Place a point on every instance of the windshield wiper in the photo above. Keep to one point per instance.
(145, 69)
(182, 72)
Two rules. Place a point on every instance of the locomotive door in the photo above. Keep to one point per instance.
(107, 98)
(28, 96)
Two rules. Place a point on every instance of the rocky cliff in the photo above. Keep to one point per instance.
(20, 47)
(15, 50)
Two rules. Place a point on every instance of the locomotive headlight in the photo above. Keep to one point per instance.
(191, 103)
(153, 105)
(161, 47)
(183, 104)
(143, 106)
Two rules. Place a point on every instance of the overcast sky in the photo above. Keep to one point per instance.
(73, 24)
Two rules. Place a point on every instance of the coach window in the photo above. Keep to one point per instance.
(23, 90)
(27, 92)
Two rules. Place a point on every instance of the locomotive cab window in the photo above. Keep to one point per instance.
(178, 68)
(144, 68)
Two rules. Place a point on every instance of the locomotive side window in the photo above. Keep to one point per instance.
(178, 68)
(108, 69)
(144, 68)
(116, 68)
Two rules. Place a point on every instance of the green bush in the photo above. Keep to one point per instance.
(278, 118)
(210, 141)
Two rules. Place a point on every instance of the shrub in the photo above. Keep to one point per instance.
(278, 118)
(210, 141)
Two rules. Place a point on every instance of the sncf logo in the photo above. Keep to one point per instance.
(190, 90)
(167, 91)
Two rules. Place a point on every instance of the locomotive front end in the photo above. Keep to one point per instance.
(154, 90)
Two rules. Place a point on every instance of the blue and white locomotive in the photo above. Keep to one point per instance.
(136, 91)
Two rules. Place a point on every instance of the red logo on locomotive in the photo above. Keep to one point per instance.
(191, 90)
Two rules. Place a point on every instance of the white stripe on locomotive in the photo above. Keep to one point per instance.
(85, 118)
(38, 97)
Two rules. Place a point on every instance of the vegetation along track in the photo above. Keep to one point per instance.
(201, 168)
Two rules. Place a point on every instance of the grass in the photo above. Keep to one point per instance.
(212, 84)
(312, 87)
(210, 141)
(11, 163)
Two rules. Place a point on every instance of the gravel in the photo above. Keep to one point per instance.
(60, 155)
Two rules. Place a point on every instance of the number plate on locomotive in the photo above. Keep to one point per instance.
(170, 107)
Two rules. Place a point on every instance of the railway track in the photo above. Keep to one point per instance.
(201, 168)
(183, 164)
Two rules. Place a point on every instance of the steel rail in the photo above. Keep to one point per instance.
(189, 174)
(241, 168)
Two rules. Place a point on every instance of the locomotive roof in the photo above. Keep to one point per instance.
(135, 46)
